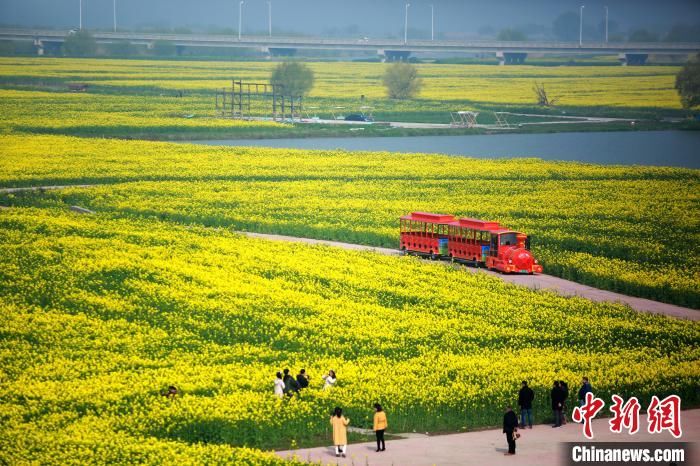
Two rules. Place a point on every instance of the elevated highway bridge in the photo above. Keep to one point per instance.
(392, 49)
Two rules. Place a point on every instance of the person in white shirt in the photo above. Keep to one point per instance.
(330, 379)
(279, 386)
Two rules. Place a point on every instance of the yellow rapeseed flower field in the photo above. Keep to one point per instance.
(138, 97)
(101, 313)
(613, 227)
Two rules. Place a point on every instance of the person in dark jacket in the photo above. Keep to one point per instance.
(525, 398)
(585, 388)
(565, 391)
(557, 395)
(302, 379)
(290, 385)
(510, 427)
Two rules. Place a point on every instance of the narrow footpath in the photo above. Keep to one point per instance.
(540, 446)
(535, 282)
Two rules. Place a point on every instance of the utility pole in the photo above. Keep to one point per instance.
(114, 11)
(580, 26)
(269, 17)
(80, 2)
(405, 26)
(606, 24)
(432, 22)
(240, 18)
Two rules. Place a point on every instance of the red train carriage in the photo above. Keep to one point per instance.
(469, 240)
(425, 233)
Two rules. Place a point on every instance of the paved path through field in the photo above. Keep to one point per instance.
(540, 446)
(544, 282)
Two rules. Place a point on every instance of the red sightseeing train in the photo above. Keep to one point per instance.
(468, 240)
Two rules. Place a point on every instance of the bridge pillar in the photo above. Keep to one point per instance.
(633, 59)
(395, 55)
(511, 58)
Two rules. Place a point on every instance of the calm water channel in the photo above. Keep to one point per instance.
(665, 148)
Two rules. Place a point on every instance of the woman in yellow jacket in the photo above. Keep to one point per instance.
(340, 432)
(380, 425)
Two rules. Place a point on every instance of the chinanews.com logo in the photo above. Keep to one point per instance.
(663, 415)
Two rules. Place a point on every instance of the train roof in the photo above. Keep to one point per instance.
(475, 224)
(428, 217)
(504, 230)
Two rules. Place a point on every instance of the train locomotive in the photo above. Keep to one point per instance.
(474, 242)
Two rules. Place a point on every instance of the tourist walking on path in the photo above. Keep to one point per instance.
(330, 380)
(380, 425)
(302, 379)
(557, 395)
(525, 398)
(340, 432)
(510, 427)
(279, 385)
(565, 396)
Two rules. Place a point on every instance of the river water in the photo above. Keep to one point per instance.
(663, 148)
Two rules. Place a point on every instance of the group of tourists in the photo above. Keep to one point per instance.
(287, 385)
(558, 395)
(340, 429)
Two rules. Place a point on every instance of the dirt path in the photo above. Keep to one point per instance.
(44, 188)
(541, 446)
(535, 282)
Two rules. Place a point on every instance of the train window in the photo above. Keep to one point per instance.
(508, 239)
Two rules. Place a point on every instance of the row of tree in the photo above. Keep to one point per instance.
(82, 44)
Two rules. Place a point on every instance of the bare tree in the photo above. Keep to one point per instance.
(402, 81)
(542, 97)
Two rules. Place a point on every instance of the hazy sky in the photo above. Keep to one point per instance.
(374, 18)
